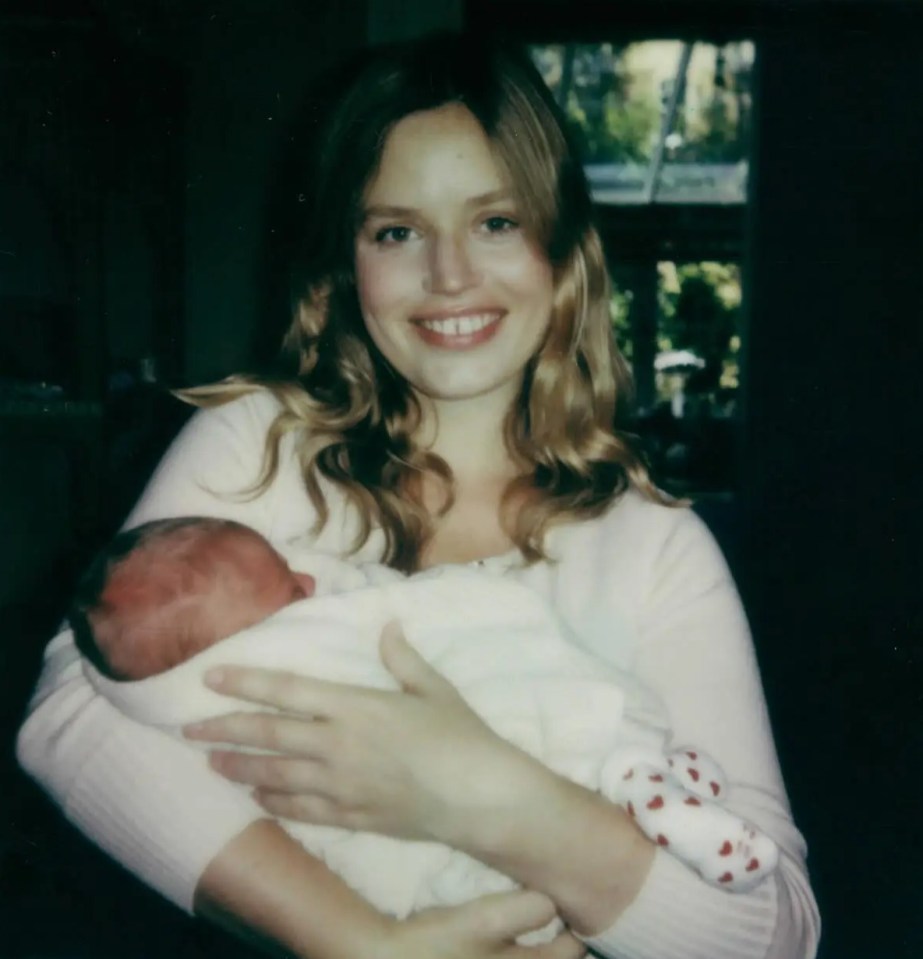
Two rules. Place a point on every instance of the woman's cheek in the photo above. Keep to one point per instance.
(518, 262)
(385, 280)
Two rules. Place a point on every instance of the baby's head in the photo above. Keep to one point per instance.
(166, 590)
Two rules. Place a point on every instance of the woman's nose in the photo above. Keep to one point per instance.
(450, 269)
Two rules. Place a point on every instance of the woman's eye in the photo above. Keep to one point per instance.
(500, 224)
(393, 234)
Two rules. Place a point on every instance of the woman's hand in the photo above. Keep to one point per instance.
(485, 928)
(267, 889)
(416, 763)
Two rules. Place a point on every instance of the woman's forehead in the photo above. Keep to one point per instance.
(436, 152)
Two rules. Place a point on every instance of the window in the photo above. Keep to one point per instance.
(664, 128)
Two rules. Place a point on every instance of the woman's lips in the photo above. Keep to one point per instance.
(459, 330)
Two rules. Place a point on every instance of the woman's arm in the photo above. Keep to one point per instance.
(662, 570)
(147, 800)
(259, 889)
(153, 805)
(406, 762)
(420, 764)
(695, 651)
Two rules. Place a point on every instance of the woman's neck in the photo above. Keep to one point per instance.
(469, 436)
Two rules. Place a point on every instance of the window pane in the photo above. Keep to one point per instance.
(661, 121)
(681, 322)
(664, 126)
(698, 327)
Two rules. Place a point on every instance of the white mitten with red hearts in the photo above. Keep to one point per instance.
(675, 803)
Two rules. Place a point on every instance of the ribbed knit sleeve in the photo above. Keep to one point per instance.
(644, 587)
(655, 575)
(676, 916)
(149, 801)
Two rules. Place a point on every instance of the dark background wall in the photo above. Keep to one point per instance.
(173, 186)
(832, 495)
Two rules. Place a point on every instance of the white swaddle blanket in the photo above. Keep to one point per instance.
(494, 639)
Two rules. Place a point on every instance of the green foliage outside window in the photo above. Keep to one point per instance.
(619, 307)
(619, 99)
(615, 96)
(699, 311)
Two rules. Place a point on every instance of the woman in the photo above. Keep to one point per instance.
(451, 400)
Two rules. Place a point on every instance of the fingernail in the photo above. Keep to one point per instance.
(193, 729)
(215, 677)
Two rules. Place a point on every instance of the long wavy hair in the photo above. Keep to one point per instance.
(355, 417)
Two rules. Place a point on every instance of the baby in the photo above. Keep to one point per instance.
(172, 598)
(164, 591)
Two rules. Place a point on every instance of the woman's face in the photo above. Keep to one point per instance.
(453, 291)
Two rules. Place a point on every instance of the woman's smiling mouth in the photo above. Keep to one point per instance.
(459, 330)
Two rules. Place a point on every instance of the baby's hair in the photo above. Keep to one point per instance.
(150, 578)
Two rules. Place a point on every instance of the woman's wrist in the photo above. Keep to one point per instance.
(555, 836)
(265, 888)
(474, 819)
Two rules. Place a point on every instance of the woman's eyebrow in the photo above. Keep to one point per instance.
(493, 196)
(387, 211)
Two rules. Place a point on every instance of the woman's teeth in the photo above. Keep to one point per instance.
(460, 325)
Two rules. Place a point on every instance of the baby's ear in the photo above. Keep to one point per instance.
(307, 582)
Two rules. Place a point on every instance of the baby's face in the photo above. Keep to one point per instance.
(258, 583)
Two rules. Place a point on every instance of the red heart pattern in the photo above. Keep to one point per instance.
(726, 851)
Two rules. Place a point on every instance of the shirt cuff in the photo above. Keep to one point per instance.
(676, 915)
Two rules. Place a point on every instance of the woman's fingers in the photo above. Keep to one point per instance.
(403, 758)
(299, 738)
(315, 809)
(504, 916)
(405, 664)
(484, 928)
(408, 667)
(564, 946)
(274, 773)
(285, 691)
